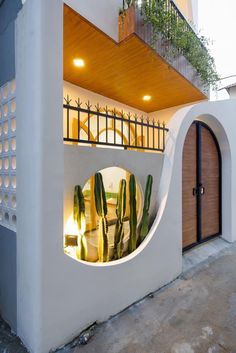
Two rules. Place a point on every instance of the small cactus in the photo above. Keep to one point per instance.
(145, 216)
(101, 208)
(120, 212)
(133, 215)
(79, 219)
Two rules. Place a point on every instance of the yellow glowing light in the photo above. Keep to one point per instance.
(79, 62)
(71, 226)
(147, 98)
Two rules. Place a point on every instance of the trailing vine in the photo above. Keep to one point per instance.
(175, 30)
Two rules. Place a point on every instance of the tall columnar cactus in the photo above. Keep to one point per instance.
(101, 208)
(145, 216)
(120, 212)
(79, 218)
(133, 214)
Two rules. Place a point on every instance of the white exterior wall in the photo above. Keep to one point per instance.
(232, 92)
(85, 95)
(40, 174)
(57, 297)
(103, 13)
(195, 12)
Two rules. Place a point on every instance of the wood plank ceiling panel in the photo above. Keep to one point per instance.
(124, 71)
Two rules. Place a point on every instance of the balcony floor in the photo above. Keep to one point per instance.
(124, 71)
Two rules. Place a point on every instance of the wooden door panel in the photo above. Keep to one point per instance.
(210, 179)
(189, 208)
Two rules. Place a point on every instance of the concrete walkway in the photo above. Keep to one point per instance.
(9, 343)
(194, 314)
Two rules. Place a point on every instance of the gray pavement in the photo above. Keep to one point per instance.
(9, 343)
(194, 314)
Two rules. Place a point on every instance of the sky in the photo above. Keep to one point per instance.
(217, 20)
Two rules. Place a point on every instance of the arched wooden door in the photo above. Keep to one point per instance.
(201, 186)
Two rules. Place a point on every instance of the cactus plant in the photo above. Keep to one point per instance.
(144, 228)
(133, 214)
(120, 212)
(101, 208)
(79, 219)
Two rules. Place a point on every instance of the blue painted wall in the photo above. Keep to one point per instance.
(8, 276)
(8, 13)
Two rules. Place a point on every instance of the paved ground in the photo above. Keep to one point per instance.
(9, 343)
(195, 314)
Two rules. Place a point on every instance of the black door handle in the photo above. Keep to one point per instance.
(199, 190)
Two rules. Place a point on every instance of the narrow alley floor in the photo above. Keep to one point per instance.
(194, 314)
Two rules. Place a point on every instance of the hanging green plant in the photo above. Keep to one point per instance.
(170, 26)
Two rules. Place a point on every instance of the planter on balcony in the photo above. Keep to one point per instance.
(131, 22)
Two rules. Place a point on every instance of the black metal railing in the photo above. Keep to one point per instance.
(84, 124)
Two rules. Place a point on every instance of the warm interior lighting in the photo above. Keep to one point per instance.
(79, 62)
(70, 227)
(147, 98)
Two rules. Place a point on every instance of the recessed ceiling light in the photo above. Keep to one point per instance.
(79, 62)
(147, 98)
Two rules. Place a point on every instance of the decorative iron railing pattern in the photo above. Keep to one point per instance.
(84, 124)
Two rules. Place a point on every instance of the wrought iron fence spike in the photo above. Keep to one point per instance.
(97, 106)
(88, 105)
(78, 102)
(67, 99)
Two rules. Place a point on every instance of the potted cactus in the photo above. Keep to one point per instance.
(144, 228)
(101, 208)
(120, 212)
(79, 218)
(133, 214)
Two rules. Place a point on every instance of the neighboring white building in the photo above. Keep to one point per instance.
(153, 118)
(231, 90)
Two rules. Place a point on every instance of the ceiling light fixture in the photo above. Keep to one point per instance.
(79, 62)
(147, 98)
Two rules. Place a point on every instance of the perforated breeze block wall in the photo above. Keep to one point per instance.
(8, 155)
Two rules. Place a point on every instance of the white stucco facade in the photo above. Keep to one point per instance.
(58, 297)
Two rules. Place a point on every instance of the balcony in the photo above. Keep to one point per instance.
(127, 70)
(132, 21)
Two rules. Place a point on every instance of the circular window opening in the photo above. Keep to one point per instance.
(110, 232)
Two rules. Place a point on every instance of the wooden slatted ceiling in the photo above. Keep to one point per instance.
(124, 71)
